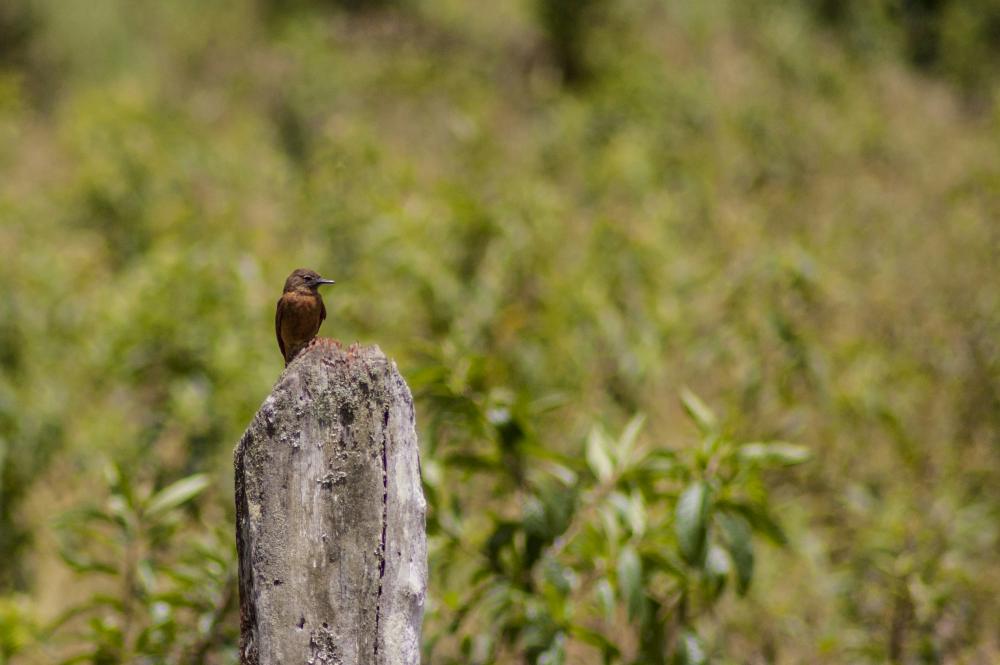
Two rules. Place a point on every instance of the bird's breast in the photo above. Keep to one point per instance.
(300, 316)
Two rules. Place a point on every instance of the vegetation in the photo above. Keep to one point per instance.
(697, 299)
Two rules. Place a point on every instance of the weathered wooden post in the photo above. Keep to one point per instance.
(330, 516)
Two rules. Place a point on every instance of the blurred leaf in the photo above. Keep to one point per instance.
(605, 598)
(534, 518)
(17, 624)
(503, 534)
(175, 494)
(630, 580)
(738, 540)
(119, 483)
(560, 577)
(608, 648)
(656, 466)
(691, 650)
(690, 522)
(717, 569)
(97, 601)
(546, 453)
(471, 462)
(609, 520)
(83, 563)
(774, 453)
(699, 412)
(663, 560)
(626, 442)
(145, 575)
(636, 514)
(555, 654)
(598, 456)
(759, 518)
(564, 474)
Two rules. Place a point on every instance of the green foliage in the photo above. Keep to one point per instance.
(163, 598)
(18, 627)
(18, 23)
(625, 550)
(953, 37)
(757, 199)
(568, 26)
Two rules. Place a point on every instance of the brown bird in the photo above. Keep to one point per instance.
(300, 312)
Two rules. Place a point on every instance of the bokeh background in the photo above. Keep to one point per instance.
(699, 301)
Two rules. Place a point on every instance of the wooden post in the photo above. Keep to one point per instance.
(330, 516)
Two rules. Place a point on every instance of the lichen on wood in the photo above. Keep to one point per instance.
(330, 516)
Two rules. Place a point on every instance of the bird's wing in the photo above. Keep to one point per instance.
(277, 327)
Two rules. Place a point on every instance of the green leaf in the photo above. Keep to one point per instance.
(609, 520)
(605, 598)
(79, 658)
(119, 483)
(594, 638)
(661, 560)
(630, 580)
(471, 462)
(760, 520)
(502, 535)
(717, 569)
(691, 650)
(145, 575)
(543, 452)
(717, 562)
(598, 455)
(636, 514)
(626, 442)
(699, 412)
(533, 517)
(559, 577)
(83, 563)
(555, 654)
(690, 522)
(176, 494)
(774, 453)
(737, 538)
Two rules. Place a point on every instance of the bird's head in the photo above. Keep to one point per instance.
(304, 280)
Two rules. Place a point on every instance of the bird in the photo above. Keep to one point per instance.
(300, 312)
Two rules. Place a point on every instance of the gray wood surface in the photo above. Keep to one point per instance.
(330, 515)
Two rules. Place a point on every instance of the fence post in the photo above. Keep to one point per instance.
(330, 516)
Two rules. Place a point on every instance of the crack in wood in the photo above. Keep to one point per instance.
(385, 522)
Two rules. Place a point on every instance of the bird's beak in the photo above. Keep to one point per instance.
(325, 281)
